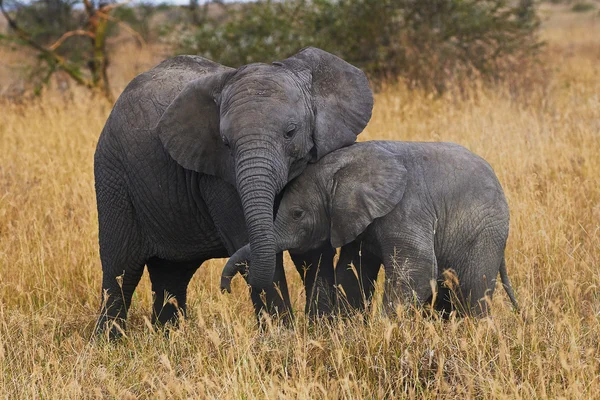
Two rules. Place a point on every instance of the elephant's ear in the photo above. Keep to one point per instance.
(367, 186)
(189, 127)
(343, 101)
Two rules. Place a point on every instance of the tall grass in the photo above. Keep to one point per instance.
(543, 141)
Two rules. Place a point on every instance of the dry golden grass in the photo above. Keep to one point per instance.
(543, 144)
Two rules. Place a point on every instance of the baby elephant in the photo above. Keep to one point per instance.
(420, 209)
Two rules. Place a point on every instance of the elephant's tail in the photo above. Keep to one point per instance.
(236, 264)
(507, 285)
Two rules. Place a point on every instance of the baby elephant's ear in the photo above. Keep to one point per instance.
(367, 187)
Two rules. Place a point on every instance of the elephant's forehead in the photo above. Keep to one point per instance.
(265, 81)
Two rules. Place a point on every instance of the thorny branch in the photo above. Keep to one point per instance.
(49, 53)
(66, 35)
(96, 30)
(103, 13)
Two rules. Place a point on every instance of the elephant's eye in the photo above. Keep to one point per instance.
(290, 131)
(297, 214)
(225, 141)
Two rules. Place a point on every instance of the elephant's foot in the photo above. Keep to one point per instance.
(109, 327)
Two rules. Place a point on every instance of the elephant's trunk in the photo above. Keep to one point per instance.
(234, 266)
(260, 176)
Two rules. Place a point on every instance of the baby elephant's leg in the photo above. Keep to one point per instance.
(355, 275)
(316, 270)
(410, 273)
(477, 272)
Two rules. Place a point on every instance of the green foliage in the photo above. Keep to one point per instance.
(138, 17)
(70, 38)
(582, 6)
(46, 20)
(429, 42)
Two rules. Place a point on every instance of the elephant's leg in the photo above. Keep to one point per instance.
(169, 284)
(277, 298)
(410, 272)
(477, 270)
(317, 273)
(122, 254)
(355, 276)
(118, 285)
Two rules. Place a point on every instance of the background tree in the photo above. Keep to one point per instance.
(51, 28)
(428, 42)
(431, 44)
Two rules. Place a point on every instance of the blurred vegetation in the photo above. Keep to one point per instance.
(139, 18)
(544, 151)
(67, 38)
(583, 6)
(430, 43)
(47, 20)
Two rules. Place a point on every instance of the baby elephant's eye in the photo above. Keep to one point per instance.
(297, 213)
(290, 131)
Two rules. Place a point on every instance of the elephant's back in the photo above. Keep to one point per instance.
(128, 141)
(468, 198)
(455, 173)
(445, 167)
(148, 95)
(458, 180)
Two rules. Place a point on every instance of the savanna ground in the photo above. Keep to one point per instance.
(540, 133)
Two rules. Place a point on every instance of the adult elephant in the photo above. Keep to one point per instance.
(191, 160)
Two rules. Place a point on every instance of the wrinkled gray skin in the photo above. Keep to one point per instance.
(417, 208)
(191, 160)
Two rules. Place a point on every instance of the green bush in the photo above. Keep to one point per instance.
(430, 42)
(71, 38)
(138, 17)
(582, 6)
(47, 20)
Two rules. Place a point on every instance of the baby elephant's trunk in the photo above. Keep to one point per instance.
(237, 264)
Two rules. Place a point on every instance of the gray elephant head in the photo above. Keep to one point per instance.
(333, 201)
(336, 199)
(258, 126)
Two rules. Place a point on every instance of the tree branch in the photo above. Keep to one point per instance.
(102, 13)
(109, 7)
(50, 54)
(65, 36)
(89, 7)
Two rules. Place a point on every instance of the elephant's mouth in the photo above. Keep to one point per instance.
(297, 166)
